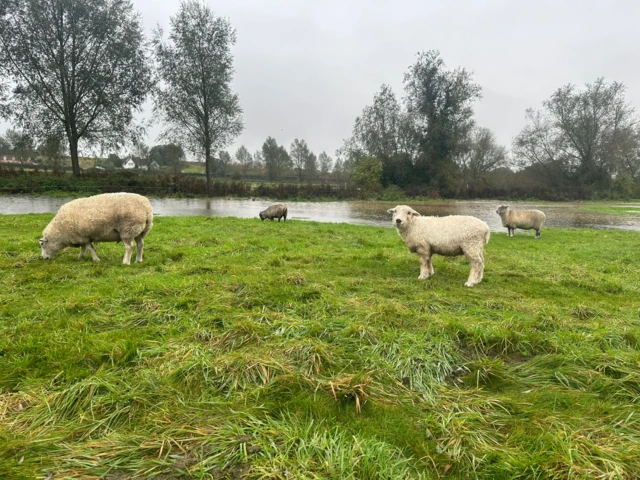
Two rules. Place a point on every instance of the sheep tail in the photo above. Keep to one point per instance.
(486, 236)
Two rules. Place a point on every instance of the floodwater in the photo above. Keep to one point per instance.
(359, 213)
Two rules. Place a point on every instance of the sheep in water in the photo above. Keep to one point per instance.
(523, 219)
(279, 210)
(448, 236)
(109, 217)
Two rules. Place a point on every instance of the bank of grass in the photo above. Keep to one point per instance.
(248, 349)
(631, 207)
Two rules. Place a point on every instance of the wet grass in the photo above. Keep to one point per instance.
(248, 349)
(617, 208)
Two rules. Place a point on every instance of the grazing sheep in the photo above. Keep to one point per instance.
(279, 210)
(523, 219)
(110, 217)
(448, 236)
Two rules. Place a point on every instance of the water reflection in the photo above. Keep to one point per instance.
(361, 213)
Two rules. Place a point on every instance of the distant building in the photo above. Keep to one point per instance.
(129, 164)
(154, 166)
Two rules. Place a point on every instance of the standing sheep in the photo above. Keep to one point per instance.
(279, 210)
(523, 219)
(449, 236)
(110, 217)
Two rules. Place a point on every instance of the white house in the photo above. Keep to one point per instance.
(129, 164)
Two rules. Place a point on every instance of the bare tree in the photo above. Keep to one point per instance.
(276, 159)
(258, 159)
(22, 146)
(78, 66)
(223, 162)
(300, 153)
(195, 67)
(52, 151)
(244, 158)
(140, 154)
(326, 162)
(482, 155)
(581, 137)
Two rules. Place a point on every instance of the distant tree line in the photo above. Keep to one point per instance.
(74, 74)
(584, 142)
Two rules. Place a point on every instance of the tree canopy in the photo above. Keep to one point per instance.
(78, 68)
(276, 159)
(195, 68)
(582, 137)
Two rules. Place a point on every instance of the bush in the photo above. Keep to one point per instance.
(393, 192)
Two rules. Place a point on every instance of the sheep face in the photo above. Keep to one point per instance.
(501, 209)
(402, 216)
(49, 248)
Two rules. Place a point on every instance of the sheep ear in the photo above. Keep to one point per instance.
(391, 211)
(415, 214)
(43, 240)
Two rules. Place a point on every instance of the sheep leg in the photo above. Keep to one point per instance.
(82, 250)
(93, 253)
(139, 248)
(426, 267)
(537, 233)
(477, 268)
(128, 250)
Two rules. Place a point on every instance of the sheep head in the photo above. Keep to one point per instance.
(402, 215)
(49, 247)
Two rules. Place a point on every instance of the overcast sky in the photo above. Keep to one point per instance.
(305, 69)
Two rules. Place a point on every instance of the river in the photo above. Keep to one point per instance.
(354, 212)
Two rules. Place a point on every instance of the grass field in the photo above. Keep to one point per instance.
(299, 350)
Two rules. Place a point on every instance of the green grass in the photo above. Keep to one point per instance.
(616, 208)
(248, 349)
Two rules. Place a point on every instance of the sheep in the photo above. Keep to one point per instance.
(109, 217)
(279, 210)
(523, 219)
(448, 236)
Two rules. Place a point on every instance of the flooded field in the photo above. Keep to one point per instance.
(576, 215)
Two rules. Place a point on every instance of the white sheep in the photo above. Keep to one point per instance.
(523, 219)
(279, 210)
(449, 236)
(109, 217)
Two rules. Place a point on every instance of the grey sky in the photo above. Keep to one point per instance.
(305, 69)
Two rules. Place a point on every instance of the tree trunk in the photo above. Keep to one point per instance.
(73, 149)
(208, 167)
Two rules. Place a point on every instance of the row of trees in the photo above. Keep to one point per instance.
(50, 153)
(76, 72)
(22, 148)
(79, 70)
(586, 140)
(274, 162)
(582, 141)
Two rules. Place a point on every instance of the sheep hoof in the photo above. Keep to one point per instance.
(423, 277)
(470, 284)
